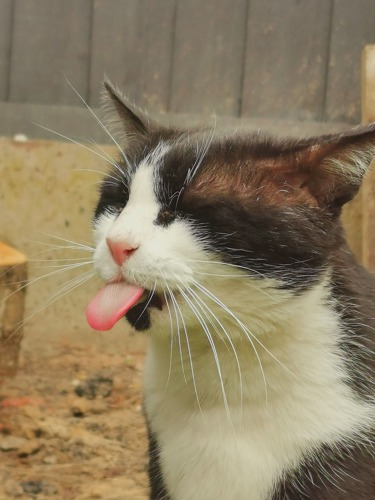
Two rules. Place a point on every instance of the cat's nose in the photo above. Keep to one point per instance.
(120, 250)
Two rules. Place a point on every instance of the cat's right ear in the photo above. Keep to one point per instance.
(124, 118)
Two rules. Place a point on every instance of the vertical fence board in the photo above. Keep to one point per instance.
(286, 58)
(368, 188)
(132, 44)
(50, 38)
(5, 46)
(208, 59)
(353, 27)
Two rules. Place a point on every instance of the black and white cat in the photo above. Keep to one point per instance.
(228, 252)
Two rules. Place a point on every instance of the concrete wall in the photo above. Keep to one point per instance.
(49, 188)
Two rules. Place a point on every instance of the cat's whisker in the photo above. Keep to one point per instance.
(35, 280)
(89, 247)
(200, 157)
(213, 348)
(100, 123)
(179, 338)
(56, 296)
(54, 246)
(67, 259)
(103, 174)
(249, 337)
(147, 303)
(41, 260)
(73, 282)
(64, 266)
(73, 141)
(214, 316)
(192, 171)
(189, 353)
(107, 155)
(228, 264)
(171, 344)
(244, 328)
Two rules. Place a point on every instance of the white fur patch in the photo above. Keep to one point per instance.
(300, 403)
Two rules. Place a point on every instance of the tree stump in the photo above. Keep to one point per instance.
(13, 276)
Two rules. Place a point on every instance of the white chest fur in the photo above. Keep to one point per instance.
(274, 416)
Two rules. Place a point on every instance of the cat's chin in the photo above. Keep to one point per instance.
(139, 315)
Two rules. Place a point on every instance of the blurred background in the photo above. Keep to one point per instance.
(292, 67)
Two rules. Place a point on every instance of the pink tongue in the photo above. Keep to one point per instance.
(110, 304)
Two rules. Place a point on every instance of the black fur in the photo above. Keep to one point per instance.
(157, 487)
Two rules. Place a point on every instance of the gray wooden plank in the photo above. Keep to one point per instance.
(353, 27)
(286, 58)
(132, 44)
(51, 39)
(6, 10)
(75, 122)
(208, 59)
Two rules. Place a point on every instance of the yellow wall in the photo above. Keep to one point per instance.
(44, 190)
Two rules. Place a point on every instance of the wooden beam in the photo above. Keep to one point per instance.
(13, 276)
(368, 188)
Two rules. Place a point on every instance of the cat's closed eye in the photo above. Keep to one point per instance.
(165, 217)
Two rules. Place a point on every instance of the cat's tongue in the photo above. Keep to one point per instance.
(110, 304)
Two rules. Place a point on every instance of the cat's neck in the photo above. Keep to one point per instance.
(293, 346)
(283, 402)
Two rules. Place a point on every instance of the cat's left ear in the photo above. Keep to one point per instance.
(125, 118)
(331, 168)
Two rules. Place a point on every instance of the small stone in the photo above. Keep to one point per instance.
(29, 448)
(79, 407)
(20, 138)
(49, 489)
(96, 386)
(32, 487)
(50, 459)
(10, 443)
(13, 488)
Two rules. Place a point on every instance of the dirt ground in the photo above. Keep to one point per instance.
(71, 427)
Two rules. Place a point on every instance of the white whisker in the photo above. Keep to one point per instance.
(179, 338)
(101, 124)
(205, 306)
(189, 353)
(247, 332)
(171, 345)
(87, 276)
(212, 344)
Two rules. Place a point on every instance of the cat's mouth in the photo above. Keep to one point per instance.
(118, 299)
(138, 315)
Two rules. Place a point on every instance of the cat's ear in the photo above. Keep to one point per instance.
(331, 168)
(123, 117)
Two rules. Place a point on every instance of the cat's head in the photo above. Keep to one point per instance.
(189, 219)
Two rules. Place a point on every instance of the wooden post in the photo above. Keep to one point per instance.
(13, 276)
(368, 188)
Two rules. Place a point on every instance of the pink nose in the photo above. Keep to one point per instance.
(120, 250)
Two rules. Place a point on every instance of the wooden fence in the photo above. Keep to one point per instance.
(359, 214)
(285, 59)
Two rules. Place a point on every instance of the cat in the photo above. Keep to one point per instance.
(227, 251)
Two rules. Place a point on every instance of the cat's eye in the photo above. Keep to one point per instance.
(117, 208)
